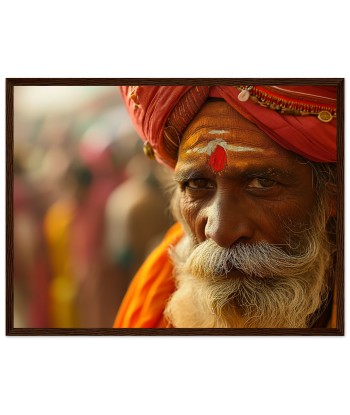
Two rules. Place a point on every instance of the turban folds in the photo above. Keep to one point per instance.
(289, 115)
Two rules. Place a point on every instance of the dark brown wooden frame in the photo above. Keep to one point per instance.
(12, 82)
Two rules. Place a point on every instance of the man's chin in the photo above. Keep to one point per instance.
(208, 301)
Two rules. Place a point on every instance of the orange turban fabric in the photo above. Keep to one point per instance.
(301, 119)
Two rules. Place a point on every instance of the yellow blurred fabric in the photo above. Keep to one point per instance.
(57, 221)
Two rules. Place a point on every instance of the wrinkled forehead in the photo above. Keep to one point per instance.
(218, 120)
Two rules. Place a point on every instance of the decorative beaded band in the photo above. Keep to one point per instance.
(289, 106)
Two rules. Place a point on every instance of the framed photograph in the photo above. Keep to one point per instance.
(175, 206)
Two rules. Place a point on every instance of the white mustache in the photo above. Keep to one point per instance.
(257, 260)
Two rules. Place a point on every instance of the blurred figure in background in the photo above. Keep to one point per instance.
(106, 148)
(136, 219)
(81, 271)
(58, 222)
(31, 266)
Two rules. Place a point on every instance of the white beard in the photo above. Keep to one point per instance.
(206, 300)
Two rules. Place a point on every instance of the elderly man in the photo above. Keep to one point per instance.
(255, 196)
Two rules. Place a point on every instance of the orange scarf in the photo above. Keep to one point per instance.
(146, 298)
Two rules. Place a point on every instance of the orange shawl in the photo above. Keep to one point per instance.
(146, 298)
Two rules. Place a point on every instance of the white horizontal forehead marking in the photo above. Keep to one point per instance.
(211, 145)
(209, 148)
(232, 147)
(218, 132)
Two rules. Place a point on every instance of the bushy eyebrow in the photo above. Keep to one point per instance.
(189, 173)
(268, 171)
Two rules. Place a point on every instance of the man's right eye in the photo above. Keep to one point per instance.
(198, 184)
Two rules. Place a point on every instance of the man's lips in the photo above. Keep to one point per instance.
(232, 273)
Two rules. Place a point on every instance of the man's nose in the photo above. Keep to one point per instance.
(228, 223)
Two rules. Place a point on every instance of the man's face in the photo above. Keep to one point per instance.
(256, 251)
(237, 185)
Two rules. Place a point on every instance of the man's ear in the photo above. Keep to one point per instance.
(332, 196)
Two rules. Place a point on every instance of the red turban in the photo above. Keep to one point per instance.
(299, 118)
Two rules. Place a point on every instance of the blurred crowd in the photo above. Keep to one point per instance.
(88, 205)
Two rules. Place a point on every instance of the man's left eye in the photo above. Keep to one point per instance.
(261, 183)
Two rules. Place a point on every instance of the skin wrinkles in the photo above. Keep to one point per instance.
(252, 198)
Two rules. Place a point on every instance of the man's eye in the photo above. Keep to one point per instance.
(199, 184)
(261, 183)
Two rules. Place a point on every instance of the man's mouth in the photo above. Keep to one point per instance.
(232, 272)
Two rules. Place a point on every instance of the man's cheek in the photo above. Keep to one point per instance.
(188, 211)
(281, 227)
(191, 212)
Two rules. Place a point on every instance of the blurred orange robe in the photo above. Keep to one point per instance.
(146, 298)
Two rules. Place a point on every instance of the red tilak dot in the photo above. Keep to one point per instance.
(217, 159)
